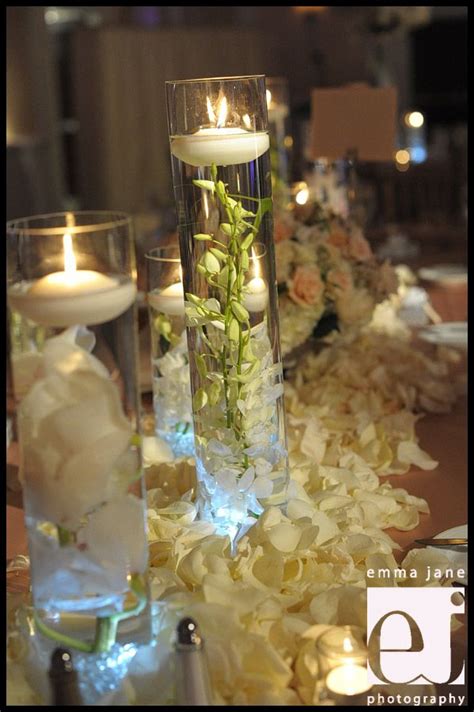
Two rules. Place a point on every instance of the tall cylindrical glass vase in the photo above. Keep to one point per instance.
(169, 350)
(280, 140)
(222, 180)
(72, 275)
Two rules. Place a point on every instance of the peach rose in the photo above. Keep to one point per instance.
(338, 238)
(306, 287)
(282, 231)
(359, 248)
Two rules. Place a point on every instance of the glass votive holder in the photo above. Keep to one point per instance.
(72, 301)
(169, 350)
(342, 658)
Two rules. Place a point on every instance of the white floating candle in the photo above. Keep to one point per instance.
(348, 680)
(224, 146)
(62, 299)
(169, 301)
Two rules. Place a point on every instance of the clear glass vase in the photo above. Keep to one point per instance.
(222, 181)
(71, 278)
(280, 140)
(169, 350)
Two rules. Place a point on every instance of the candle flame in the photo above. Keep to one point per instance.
(220, 119)
(269, 98)
(347, 645)
(247, 121)
(70, 265)
(210, 111)
(180, 274)
(221, 112)
(256, 264)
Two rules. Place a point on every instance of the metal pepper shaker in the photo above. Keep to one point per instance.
(192, 676)
(64, 679)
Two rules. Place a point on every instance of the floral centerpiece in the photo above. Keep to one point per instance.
(327, 275)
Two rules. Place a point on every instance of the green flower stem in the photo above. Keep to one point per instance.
(231, 355)
(67, 640)
(106, 626)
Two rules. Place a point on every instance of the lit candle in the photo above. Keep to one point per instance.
(276, 112)
(169, 300)
(256, 291)
(222, 145)
(348, 680)
(73, 296)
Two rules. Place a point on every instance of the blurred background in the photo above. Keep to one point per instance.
(86, 117)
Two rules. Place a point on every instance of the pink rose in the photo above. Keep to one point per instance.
(359, 248)
(338, 238)
(306, 287)
(340, 279)
(282, 231)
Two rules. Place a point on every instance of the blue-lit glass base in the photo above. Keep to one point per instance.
(181, 443)
(127, 674)
(229, 510)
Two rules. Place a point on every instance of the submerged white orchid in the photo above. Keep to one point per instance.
(73, 433)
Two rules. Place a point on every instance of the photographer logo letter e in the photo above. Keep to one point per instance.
(409, 635)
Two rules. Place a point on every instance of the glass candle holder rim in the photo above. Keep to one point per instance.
(163, 258)
(330, 651)
(276, 80)
(116, 218)
(206, 80)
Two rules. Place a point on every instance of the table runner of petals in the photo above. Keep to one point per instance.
(351, 412)
(352, 409)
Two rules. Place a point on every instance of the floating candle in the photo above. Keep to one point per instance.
(222, 145)
(256, 291)
(61, 299)
(348, 680)
(169, 301)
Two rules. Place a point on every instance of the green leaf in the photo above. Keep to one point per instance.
(247, 241)
(214, 393)
(200, 365)
(206, 184)
(202, 236)
(239, 311)
(218, 253)
(234, 331)
(265, 206)
(211, 263)
(199, 399)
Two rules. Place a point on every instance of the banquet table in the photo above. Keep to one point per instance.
(443, 436)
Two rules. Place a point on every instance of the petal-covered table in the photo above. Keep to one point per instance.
(443, 436)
